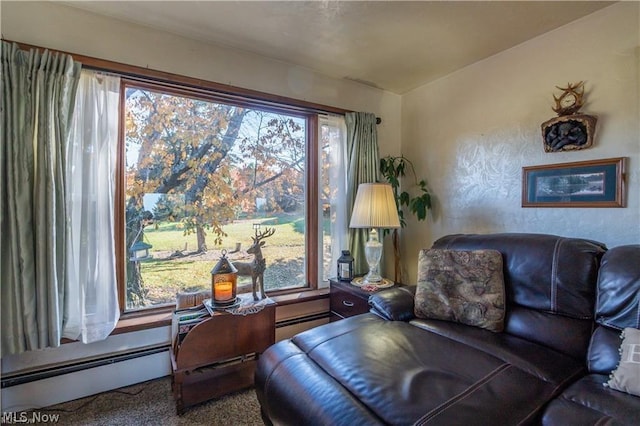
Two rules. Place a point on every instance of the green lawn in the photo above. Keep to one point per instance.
(169, 236)
(163, 278)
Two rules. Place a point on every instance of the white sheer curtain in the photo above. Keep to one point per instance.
(92, 297)
(333, 138)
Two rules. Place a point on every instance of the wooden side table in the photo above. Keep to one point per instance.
(346, 300)
(218, 356)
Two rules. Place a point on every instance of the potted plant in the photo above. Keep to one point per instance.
(418, 202)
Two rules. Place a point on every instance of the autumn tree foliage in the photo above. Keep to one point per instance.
(215, 157)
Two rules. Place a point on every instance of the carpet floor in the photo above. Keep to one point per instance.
(152, 403)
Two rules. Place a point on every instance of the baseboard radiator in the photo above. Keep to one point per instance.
(21, 377)
(301, 320)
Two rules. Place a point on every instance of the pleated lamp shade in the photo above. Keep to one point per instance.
(375, 207)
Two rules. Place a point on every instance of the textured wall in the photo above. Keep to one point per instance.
(471, 133)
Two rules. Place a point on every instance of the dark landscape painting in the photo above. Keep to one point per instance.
(570, 184)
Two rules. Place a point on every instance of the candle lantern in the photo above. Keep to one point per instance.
(345, 266)
(224, 281)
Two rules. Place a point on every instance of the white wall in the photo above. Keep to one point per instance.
(67, 387)
(63, 28)
(471, 132)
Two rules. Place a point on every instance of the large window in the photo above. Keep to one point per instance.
(203, 175)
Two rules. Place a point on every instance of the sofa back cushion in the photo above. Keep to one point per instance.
(618, 302)
(617, 306)
(550, 284)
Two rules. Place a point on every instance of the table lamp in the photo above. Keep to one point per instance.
(375, 207)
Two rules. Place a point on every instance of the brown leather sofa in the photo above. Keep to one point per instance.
(587, 401)
(389, 367)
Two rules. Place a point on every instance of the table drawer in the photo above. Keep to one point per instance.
(347, 304)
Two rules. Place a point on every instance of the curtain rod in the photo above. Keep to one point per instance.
(135, 71)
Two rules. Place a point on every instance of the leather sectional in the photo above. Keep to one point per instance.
(566, 301)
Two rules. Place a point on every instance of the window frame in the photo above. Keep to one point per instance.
(312, 168)
(231, 93)
(311, 182)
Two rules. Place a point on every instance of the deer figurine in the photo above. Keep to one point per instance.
(255, 269)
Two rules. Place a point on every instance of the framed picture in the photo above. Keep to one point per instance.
(597, 183)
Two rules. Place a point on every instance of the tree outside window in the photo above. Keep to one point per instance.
(200, 177)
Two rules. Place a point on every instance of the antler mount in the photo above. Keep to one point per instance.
(571, 99)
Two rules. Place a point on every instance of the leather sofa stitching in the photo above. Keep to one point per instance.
(534, 412)
(589, 352)
(462, 395)
(554, 394)
(596, 317)
(275, 368)
(610, 325)
(554, 276)
(265, 406)
(564, 383)
(604, 418)
(312, 348)
(480, 348)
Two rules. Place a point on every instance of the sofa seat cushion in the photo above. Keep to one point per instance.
(292, 390)
(588, 402)
(365, 370)
(539, 361)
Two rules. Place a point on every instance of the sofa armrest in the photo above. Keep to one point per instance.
(395, 304)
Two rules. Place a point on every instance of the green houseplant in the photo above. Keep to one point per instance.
(418, 202)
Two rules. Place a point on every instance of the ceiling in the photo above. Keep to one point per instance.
(392, 45)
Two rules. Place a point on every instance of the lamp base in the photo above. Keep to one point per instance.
(383, 283)
(373, 253)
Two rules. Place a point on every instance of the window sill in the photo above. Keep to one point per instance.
(301, 296)
(131, 323)
(142, 322)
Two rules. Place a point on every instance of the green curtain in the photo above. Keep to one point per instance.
(38, 93)
(363, 166)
